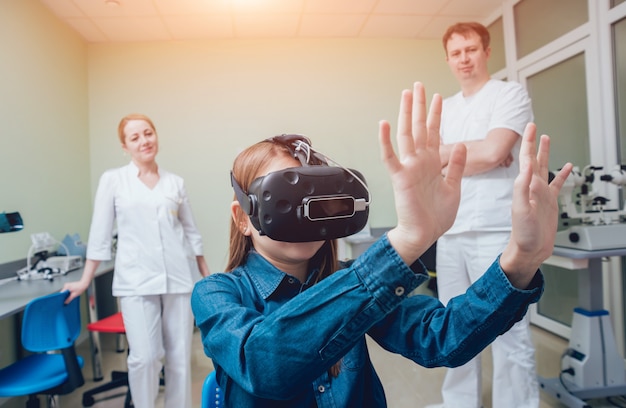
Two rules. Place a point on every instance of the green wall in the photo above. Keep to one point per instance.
(62, 100)
(211, 99)
(44, 166)
(44, 151)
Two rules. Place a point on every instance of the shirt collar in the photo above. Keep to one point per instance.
(266, 277)
(133, 170)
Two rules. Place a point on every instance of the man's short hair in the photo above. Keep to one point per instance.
(466, 29)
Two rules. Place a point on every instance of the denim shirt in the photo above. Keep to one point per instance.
(273, 339)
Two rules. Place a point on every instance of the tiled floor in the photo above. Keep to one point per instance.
(113, 360)
(407, 385)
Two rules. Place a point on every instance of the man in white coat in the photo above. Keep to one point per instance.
(489, 117)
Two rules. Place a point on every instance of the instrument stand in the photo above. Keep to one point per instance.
(591, 366)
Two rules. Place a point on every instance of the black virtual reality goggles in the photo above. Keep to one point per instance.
(314, 202)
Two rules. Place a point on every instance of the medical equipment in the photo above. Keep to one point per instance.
(11, 222)
(591, 224)
(314, 202)
(591, 366)
(41, 264)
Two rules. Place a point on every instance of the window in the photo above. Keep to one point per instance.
(619, 50)
(497, 60)
(538, 22)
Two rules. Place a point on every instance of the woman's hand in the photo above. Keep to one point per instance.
(426, 202)
(79, 287)
(76, 289)
(535, 211)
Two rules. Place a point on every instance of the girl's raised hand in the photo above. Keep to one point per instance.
(535, 211)
(426, 202)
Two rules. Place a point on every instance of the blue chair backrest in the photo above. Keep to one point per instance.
(212, 395)
(49, 324)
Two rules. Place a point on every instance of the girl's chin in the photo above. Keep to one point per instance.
(306, 249)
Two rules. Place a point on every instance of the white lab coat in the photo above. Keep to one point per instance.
(155, 270)
(480, 232)
(157, 240)
(486, 198)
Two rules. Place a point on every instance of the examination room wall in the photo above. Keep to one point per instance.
(62, 99)
(44, 165)
(211, 99)
(44, 170)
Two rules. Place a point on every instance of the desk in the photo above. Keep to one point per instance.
(15, 295)
(598, 368)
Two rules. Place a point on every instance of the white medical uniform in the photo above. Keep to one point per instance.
(155, 270)
(480, 232)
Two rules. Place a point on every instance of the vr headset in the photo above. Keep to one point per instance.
(315, 202)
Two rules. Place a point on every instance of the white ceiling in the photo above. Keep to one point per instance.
(99, 21)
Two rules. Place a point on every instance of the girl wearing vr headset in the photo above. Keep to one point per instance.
(286, 326)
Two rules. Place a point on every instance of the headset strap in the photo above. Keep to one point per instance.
(243, 198)
(300, 148)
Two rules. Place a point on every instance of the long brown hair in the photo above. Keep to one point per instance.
(249, 165)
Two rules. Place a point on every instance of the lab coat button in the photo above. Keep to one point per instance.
(399, 291)
(321, 389)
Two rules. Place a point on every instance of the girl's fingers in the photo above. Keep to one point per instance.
(560, 177)
(386, 148)
(456, 165)
(405, 140)
(543, 156)
(433, 122)
(420, 137)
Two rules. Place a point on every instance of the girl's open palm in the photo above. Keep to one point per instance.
(426, 202)
(535, 210)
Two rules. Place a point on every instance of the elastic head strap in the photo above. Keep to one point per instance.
(300, 148)
(246, 202)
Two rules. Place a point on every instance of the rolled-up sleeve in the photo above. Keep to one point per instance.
(432, 335)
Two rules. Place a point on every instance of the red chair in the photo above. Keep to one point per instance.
(112, 324)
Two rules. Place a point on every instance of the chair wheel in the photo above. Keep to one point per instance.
(88, 401)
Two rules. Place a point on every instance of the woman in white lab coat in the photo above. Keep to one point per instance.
(159, 250)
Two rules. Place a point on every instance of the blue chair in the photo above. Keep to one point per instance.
(212, 396)
(49, 330)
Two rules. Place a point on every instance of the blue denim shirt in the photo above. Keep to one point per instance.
(273, 339)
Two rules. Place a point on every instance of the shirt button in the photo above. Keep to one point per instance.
(399, 291)
(290, 280)
(321, 389)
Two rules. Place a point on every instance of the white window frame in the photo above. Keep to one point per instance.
(594, 40)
